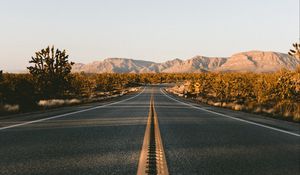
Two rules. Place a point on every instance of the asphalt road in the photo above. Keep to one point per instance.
(107, 139)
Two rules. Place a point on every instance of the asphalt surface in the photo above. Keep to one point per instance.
(108, 140)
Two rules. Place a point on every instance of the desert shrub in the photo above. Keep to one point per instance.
(275, 93)
(18, 89)
(82, 85)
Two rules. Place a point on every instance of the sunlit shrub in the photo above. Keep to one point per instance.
(273, 93)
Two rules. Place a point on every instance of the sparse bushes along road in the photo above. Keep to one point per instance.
(51, 83)
(277, 94)
(21, 92)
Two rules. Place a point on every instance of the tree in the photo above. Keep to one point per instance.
(51, 71)
(295, 53)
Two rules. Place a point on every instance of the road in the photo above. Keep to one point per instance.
(108, 139)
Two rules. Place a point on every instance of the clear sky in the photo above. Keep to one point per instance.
(154, 30)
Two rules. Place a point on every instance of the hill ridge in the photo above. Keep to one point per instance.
(251, 61)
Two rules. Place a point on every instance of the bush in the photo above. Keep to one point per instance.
(18, 89)
(277, 93)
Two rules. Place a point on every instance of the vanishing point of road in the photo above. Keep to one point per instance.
(150, 132)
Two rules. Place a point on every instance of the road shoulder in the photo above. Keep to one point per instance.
(267, 121)
(16, 119)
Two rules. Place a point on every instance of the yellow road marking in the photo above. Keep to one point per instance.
(152, 157)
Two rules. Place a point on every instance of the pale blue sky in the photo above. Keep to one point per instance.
(154, 30)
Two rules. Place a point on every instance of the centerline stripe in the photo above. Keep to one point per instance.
(152, 158)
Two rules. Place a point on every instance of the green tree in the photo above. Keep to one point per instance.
(51, 71)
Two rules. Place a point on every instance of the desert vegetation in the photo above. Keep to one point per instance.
(50, 72)
(277, 94)
(26, 92)
(51, 83)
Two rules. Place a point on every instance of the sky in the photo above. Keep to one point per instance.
(156, 30)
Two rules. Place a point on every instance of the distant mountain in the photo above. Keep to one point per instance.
(258, 61)
(114, 65)
(195, 64)
(252, 61)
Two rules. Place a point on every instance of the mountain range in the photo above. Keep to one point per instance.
(251, 61)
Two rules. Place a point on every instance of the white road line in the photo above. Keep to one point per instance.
(70, 113)
(234, 118)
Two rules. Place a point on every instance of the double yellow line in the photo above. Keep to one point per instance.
(152, 157)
